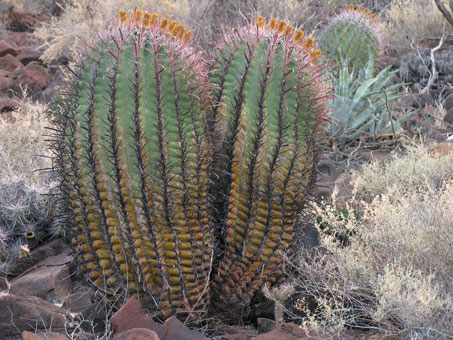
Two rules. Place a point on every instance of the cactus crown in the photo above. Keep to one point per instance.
(352, 36)
(284, 32)
(138, 18)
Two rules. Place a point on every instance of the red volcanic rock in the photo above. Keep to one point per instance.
(10, 63)
(23, 38)
(8, 104)
(131, 315)
(176, 330)
(449, 117)
(34, 76)
(6, 48)
(19, 313)
(6, 83)
(28, 55)
(79, 301)
(24, 22)
(47, 282)
(449, 102)
(138, 334)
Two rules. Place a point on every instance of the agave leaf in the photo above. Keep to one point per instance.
(361, 131)
(362, 118)
(363, 90)
(402, 119)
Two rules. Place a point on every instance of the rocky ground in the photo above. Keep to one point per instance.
(44, 300)
(21, 71)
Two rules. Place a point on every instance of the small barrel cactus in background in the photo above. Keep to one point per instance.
(131, 149)
(352, 36)
(269, 106)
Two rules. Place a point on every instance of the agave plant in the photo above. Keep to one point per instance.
(363, 103)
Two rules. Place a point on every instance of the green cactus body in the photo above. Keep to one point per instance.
(352, 37)
(133, 154)
(270, 104)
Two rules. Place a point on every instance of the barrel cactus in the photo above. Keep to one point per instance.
(269, 106)
(352, 36)
(161, 164)
(132, 151)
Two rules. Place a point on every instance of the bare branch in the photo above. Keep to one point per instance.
(446, 13)
(433, 73)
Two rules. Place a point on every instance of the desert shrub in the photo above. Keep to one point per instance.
(412, 21)
(80, 18)
(395, 273)
(416, 170)
(23, 150)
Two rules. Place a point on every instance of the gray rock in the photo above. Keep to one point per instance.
(449, 117)
(49, 279)
(138, 334)
(266, 325)
(449, 102)
(51, 283)
(79, 301)
(28, 313)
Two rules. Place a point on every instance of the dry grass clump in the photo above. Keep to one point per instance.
(412, 21)
(210, 19)
(80, 18)
(385, 263)
(23, 149)
(297, 13)
(417, 169)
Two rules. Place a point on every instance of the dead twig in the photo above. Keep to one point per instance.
(433, 74)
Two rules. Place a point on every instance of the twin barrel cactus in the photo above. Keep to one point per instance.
(182, 184)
